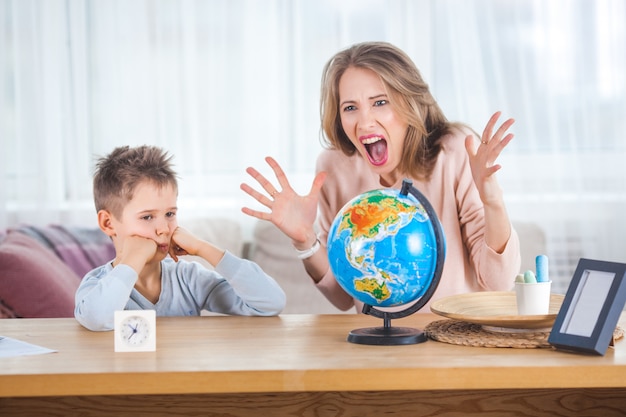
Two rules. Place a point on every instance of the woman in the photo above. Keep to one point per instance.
(382, 125)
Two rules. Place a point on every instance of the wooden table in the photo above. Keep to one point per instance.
(297, 365)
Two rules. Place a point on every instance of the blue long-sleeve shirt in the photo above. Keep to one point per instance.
(236, 287)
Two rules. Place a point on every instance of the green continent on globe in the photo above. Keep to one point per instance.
(374, 214)
(371, 286)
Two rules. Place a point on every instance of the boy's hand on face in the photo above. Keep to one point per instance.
(136, 252)
(183, 243)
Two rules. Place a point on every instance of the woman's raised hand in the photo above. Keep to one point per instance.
(482, 158)
(292, 213)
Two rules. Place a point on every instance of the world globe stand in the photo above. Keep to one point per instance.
(388, 335)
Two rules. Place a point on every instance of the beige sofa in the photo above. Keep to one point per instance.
(41, 267)
(272, 250)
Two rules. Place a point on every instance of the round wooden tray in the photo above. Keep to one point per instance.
(497, 309)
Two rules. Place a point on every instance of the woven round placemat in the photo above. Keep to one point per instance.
(469, 334)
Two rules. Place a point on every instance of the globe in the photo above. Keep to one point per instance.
(386, 248)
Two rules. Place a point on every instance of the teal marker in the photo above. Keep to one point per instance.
(529, 277)
(541, 262)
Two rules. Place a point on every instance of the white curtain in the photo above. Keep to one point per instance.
(223, 83)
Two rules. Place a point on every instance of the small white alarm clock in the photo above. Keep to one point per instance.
(135, 330)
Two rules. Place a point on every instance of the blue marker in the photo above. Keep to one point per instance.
(541, 263)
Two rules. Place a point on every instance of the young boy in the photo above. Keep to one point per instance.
(135, 192)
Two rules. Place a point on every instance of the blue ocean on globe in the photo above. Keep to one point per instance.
(382, 248)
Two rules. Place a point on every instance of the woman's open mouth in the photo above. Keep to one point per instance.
(376, 147)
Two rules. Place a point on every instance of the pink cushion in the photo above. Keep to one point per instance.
(34, 282)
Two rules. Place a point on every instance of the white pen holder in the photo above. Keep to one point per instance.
(533, 298)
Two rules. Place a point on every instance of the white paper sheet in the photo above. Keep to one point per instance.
(12, 347)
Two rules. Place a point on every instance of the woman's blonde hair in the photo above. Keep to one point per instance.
(409, 96)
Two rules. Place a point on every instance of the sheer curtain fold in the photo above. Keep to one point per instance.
(39, 128)
(223, 83)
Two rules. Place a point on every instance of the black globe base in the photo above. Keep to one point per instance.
(387, 336)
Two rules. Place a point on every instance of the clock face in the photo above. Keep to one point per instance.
(135, 331)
